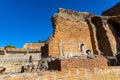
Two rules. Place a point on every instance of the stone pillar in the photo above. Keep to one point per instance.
(93, 36)
(28, 50)
(5, 51)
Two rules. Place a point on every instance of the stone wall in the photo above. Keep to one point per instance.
(71, 74)
(18, 51)
(76, 32)
(70, 34)
(89, 63)
(33, 45)
(104, 36)
(13, 62)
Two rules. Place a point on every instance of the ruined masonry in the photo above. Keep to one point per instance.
(76, 32)
(79, 40)
(79, 34)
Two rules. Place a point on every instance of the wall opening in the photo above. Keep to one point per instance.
(102, 38)
(116, 31)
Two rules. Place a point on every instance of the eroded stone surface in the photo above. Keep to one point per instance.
(76, 32)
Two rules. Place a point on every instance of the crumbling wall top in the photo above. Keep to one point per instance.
(72, 15)
(115, 19)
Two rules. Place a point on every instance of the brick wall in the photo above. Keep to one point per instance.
(33, 45)
(70, 34)
(96, 62)
(71, 74)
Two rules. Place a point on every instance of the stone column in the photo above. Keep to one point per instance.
(5, 51)
(28, 50)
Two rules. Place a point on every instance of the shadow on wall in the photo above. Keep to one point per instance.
(55, 65)
(115, 28)
(44, 50)
(102, 38)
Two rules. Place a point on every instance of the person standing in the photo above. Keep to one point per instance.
(30, 59)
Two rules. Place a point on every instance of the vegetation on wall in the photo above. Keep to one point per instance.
(9, 46)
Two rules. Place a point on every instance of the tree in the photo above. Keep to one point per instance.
(9, 46)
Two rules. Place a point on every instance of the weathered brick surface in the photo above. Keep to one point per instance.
(71, 74)
(106, 42)
(71, 35)
(72, 29)
(96, 62)
(65, 64)
(13, 63)
(33, 45)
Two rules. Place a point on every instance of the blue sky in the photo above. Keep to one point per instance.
(26, 21)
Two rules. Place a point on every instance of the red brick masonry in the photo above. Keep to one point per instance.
(95, 62)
